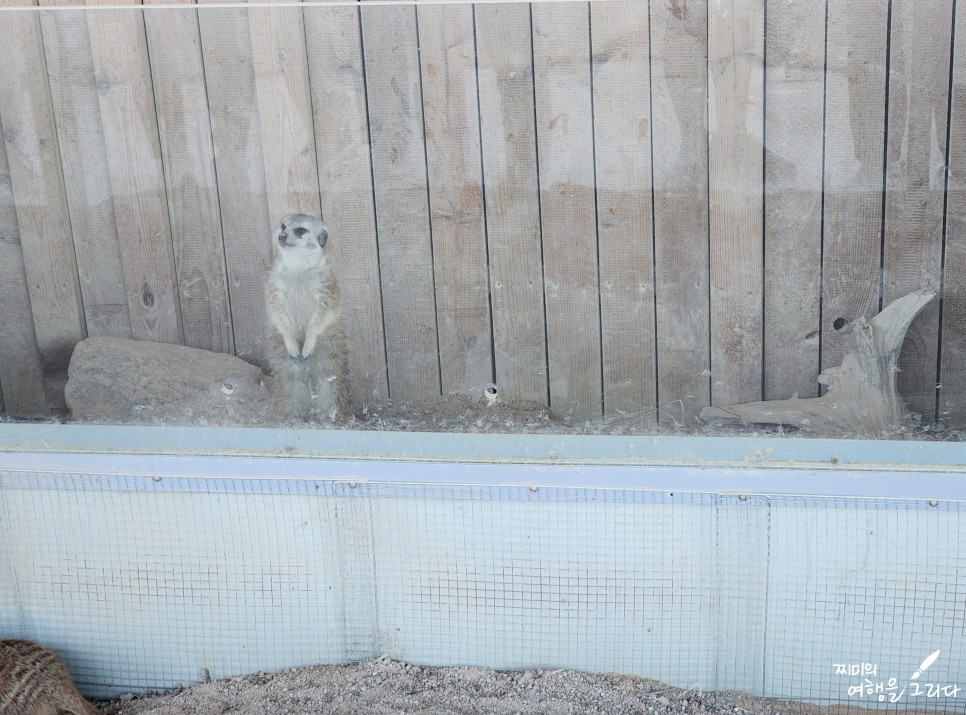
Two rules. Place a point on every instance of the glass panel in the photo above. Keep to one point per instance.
(608, 217)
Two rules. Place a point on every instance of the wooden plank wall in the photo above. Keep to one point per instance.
(632, 207)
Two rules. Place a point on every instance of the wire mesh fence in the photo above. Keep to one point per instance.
(144, 581)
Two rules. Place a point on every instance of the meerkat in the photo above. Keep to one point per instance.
(304, 306)
(33, 681)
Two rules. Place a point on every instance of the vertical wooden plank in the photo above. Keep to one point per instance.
(174, 48)
(20, 374)
(40, 198)
(240, 173)
(504, 56)
(622, 131)
(952, 391)
(399, 177)
(448, 63)
(680, 151)
(735, 176)
(795, 95)
(130, 122)
(70, 70)
(915, 182)
(565, 141)
(285, 110)
(854, 126)
(345, 177)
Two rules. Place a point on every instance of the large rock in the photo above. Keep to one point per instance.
(121, 380)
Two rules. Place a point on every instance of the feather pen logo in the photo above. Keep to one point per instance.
(930, 659)
(884, 688)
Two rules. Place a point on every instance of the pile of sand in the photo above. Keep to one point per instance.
(386, 687)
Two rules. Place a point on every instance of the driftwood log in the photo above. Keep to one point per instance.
(861, 397)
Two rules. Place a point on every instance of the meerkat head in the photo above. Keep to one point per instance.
(300, 240)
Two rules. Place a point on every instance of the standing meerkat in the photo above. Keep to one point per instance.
(33, 681)
(305, 308)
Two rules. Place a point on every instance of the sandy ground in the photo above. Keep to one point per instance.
(463, 413)
(466, 415)
(386, 687)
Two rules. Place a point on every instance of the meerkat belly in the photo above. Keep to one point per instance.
(301, 304)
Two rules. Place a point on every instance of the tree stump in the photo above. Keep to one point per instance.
(861, 399)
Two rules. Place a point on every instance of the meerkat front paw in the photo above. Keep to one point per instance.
(293, 349)
(309, 347)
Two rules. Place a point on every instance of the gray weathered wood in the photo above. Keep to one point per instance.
(862, 399)
(70, 70)
(400, 184)
(504, 57)
(174, 46)
(736, 120)
(129, 119)
(452, 121)
(622, 136)
(915, 181)
(39, 194)
(561, 49)
(250, 90)
(794, 91)
(679, 90)
(952, 375)
(854, 125)
(20, 374)
(345, 178)
(285, 111)
(240, 172)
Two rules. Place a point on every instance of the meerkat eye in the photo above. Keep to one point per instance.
(283, 226)
(300, 231)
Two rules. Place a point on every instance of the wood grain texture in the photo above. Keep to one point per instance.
(735, 176)
(622, 139)
(129, 118)
(240, 174)
(482, 160)
(400, 184)
(680, 130)
(565, 140)
(795, 94)
(177, 69)
(508, 133)
(915, 182)
(862, 399)
(70, 71)
(285, 111)
(21, 381)
(342, 149)
(854, 126)
(952, 375)
(39, 194)
(452, 122)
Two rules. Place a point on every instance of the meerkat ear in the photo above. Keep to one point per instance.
(323, 236)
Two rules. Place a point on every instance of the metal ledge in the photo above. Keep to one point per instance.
(872, 469)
